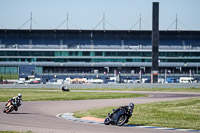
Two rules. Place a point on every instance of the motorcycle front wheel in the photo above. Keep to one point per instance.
(107, 121)
(16, 108)
(122, 120)
(9, 109)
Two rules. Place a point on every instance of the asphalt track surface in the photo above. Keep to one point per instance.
(40, 117)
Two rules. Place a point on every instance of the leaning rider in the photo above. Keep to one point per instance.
(130, 107)
(17, 100)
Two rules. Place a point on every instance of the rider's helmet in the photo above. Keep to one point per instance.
(131, 106)
(19, 95)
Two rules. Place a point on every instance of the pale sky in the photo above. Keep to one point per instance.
(86, 14)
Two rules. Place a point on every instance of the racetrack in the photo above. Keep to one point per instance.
(41, 117)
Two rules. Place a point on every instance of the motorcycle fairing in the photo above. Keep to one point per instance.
(116, 115)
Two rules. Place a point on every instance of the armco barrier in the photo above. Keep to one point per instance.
(76, 86)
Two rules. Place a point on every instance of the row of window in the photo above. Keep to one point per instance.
(96, 53)
(9, 70)
(14, 70)
(93, 60)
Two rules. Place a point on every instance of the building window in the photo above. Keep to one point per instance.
(85, 53)
(98, 53)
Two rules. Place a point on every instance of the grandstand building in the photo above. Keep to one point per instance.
(84, 52)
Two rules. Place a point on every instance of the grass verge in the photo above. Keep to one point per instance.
(183, 114)
(37, 95)
(28, 89)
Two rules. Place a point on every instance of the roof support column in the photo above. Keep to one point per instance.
(155, 42)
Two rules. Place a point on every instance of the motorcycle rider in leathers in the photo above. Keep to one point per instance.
(130, 107)
(17, 100)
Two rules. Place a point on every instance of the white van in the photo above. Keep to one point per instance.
(95, 81)
(186, 80)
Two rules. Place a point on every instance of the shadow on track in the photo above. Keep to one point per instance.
(15, 113)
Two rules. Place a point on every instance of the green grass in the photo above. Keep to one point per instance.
(192, 89)
(28, 89)
(37, 95)
(9, 76)
(184, 114)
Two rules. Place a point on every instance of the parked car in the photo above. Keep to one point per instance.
(161, 80)
(172, 80)
(20, 82)
(55, 81)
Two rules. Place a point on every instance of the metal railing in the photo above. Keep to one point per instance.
(89, 46)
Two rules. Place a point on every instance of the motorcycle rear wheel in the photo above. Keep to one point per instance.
(122, 120)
